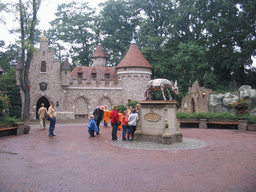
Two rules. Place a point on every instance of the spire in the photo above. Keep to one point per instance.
(44, 36)
(99, 37)
(133, 41)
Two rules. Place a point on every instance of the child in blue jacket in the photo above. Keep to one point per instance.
(92, 127)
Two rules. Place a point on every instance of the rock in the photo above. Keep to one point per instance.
(222, 102)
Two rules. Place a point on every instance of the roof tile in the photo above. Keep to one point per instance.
(134, 58)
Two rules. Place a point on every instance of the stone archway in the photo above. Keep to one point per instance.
(41, 100)
(81, 108)
(106, 101)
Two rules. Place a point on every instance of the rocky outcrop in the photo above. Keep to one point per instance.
(222, 102)
(246, 92)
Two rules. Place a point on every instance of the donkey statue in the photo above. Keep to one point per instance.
(161, 84)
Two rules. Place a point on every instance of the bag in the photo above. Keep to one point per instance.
(48, 118)
(119, 123)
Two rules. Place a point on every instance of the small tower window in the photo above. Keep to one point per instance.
(79, 75)
(43, 66)
(43, 53)
(107, 76)
(94, 75)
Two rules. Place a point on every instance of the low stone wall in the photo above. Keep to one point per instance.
(203, 123)
(14, 129)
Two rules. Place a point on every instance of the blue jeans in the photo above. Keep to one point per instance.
(52, 126)
(125, 127)
(105, 124)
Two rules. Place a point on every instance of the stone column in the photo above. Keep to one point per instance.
(203, 124)
(242, 126)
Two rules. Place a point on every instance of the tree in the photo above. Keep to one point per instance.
(190, 64)
(9, 87)
(73, 25)
(118, 21)
(9, 56)
(28, 20)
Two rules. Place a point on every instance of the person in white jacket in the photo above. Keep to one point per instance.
(133, 118)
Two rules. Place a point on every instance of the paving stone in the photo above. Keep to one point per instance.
(207, 160)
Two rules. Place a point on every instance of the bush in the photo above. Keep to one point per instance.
(241, 107)
(7, 120)
(132, 103)
(122, 108)
(215, 115)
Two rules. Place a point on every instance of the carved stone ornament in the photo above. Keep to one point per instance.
(152, 117)
(43, 86)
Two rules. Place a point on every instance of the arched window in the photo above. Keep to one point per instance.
(43, 66)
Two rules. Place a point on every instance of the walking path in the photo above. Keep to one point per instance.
(207, 160)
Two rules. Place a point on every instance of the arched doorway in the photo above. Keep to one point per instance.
(193, 105)
(39, 102)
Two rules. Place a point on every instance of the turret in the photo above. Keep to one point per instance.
(134, 71)
(65, 73)
(99, 58)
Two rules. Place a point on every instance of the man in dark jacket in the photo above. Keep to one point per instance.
(98, 116)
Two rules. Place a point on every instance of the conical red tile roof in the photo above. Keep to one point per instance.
(134, 58)
(99, 52)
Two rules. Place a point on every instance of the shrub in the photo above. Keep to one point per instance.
(122, 108)
(6, 120)
(241, 107)
(216, 115)
(132, 103)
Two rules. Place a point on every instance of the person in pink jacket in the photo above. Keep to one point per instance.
(114, 122)
(125, 125)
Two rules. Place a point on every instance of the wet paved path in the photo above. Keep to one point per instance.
(208, 160)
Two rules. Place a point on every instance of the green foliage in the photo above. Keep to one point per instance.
(206, 115)
(7, 120)
(214, 115)
(8, 85)
(73, 25)
(4, 105)
(132, 103)
(117, 20)
(122, 108)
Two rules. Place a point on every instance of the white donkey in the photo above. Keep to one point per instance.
(161, 84)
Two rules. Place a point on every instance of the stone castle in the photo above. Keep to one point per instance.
(77, 93)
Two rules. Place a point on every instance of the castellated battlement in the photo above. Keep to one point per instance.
(94, 83)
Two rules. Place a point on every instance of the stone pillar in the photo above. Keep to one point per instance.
(242, 126)
(158, 122)
(203, 124)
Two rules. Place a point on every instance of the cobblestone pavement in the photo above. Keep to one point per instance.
(208, 160)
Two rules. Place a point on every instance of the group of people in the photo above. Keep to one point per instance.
(49, 114)
(127, 121)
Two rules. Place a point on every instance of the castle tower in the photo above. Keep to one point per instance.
(65, 73)
(99, 58)
(134, 71)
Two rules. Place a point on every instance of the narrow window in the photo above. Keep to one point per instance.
(43, 66)
(107, 76)
(79, 75)
(94, 75)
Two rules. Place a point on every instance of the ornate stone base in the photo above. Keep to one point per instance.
(158, 122)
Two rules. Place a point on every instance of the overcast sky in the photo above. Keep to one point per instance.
(45, 15)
